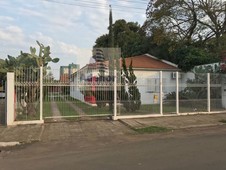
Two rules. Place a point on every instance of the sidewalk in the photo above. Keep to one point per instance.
(100, 128)
(178, 122)
(71, 130)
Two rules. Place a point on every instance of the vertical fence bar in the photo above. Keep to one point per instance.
(160, 90)
(41, 93)
(177, 92)
(10, 99)
(115, 94)
(208, 92)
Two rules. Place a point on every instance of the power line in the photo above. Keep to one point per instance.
(96, 5)
(116, 5)
(137, 2)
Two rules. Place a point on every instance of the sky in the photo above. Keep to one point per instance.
(69, 27)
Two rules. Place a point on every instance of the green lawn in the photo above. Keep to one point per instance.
(47, 111)
(223, 121)
(168, 107)
(66, 110)
(92, 110)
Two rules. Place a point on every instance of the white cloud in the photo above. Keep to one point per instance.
(72, 52)
(14, 34)
(38, 36)
(30, 12)
(68, 49)
(60, 16)
(6, 19)
(68, 29)
(4, 3)
(67, 53)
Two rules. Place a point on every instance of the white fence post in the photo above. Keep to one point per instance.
(208, 92)
(10, 107)
(160, 97)
(177, 93)
(115, 95)
(41, 93)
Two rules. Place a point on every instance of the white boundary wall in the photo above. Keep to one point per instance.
(10, 111)
(10, 106)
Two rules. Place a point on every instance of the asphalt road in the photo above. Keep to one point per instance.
(185, 150)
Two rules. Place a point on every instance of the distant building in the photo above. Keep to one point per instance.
(67, 71)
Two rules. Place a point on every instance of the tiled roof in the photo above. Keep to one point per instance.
(147, 61)
(144, 61)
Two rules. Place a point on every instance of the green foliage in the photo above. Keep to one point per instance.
(152, 129)
(188, 56)
(197, 88)
(2, 70)
(44, 55)
(28, 60)
(185, 32)
(25, 67)
(102, 41)
(127, 36)
(131, 97)
(223, 121)
(188, 23)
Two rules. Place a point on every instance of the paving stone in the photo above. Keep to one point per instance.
(105, 129)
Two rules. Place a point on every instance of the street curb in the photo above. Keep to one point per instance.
(176, 128)
(200, 126)
(7, 144)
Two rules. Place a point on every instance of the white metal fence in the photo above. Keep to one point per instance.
(2, 101)
(27, 94)
(182, 93)
(40, 94)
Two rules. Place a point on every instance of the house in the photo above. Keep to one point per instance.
(147, 70)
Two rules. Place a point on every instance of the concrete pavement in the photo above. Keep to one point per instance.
(178, 122)
(63, 131)
(89, 129)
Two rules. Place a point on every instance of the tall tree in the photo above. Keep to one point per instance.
(130, 94)
(111, 32)
(126, 35)
(189, 57)
(188, 21)
(112, 58)
(192, 31)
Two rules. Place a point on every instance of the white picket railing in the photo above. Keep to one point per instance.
(162, 94)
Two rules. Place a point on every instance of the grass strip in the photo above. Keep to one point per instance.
(152, 129)
(92, 110)
(223, 121)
